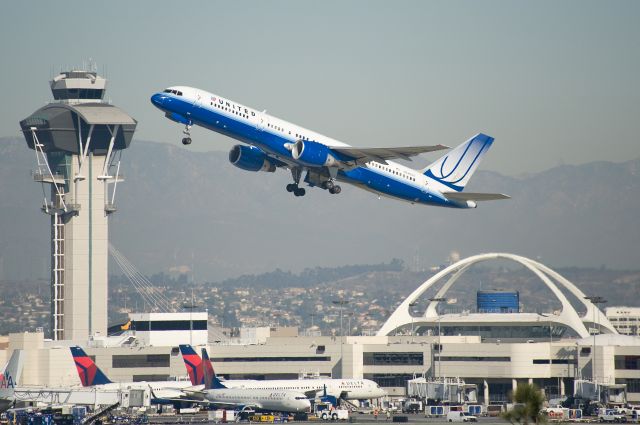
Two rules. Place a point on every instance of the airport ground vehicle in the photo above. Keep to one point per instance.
(326, 411)
(457, 416)
(611, 415)
(412, 406)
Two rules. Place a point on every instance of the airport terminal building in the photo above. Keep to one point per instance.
(495, 349)
(78, 139)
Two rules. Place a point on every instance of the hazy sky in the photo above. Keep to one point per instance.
(554, 82)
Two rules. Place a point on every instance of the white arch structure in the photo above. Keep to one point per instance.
(569, 317)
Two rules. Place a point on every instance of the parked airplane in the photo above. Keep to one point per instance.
(347, 389)
(274, 143)
(91, 376)
(218, 394)
(9, 379)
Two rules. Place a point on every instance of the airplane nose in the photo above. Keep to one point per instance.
(157, 99)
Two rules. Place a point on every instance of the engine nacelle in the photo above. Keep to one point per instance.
(313, 153)
(250, 158)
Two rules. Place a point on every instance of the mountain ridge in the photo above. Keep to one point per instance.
(185, 210)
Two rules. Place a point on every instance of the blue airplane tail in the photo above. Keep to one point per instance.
(89, 373)
(211, 381)
(454, 169)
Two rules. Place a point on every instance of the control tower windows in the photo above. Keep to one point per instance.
(63, 94)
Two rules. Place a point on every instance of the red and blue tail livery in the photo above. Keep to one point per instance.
(211, 381)
(89, 373)
(193, 363)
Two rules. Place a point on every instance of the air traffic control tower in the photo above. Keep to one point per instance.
(78, 141)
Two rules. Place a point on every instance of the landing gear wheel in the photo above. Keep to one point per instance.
(299, 192)
(186, 141)
(335, 190)
(328, 185)
(291, 187)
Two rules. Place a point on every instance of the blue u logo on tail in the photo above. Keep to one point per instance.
(456, 168)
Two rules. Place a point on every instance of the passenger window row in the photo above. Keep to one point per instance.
(283, 130)
(389, 170)
(224, 108)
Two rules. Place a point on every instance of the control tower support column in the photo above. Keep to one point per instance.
(78, 141)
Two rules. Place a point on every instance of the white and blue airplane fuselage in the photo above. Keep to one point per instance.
(273, 143)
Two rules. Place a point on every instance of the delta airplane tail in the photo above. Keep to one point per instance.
(11, 374)
(454, 170)
(89, 373)
(211, 381)
(193, 363)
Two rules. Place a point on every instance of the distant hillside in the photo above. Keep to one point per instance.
(303, 299)
(183, 210)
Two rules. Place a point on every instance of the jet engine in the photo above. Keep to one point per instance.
(250, 158)
(313, 153)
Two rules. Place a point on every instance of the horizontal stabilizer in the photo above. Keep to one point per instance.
(382, 154)
(468, 196)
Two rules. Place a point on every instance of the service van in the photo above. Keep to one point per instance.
(458, 416)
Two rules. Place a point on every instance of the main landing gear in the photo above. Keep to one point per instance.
(187, 132)
(297, 191)
(313, 180)
(296, 173)
(333, 188)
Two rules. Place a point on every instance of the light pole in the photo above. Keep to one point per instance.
(411, 305)
(311, 330)
(341, 302)
(350, 315)
(190, 306)
(595, 300)
(437, 300)
(550, 342)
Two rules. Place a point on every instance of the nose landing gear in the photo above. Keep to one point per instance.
(187, 132)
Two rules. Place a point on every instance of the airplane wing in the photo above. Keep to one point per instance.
(361, 155)
(168, 394)
(469, 196)
(312, 393)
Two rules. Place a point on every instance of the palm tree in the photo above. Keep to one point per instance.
(528, 401)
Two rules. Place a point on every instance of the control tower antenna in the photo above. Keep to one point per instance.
(78, 140)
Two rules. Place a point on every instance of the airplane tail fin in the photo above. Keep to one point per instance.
(11, 374)
(211, 381)
(193, 363)
(454, 169)
(89, 373)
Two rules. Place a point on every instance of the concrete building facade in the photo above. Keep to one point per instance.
(626, 320)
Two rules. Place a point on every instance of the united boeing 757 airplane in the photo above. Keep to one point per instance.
(271, 143)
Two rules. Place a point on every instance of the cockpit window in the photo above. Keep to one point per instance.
(176, 92)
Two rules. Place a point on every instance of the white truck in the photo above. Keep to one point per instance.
(611, 415)
(333, 415)
(458, 416)
(327, 412)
